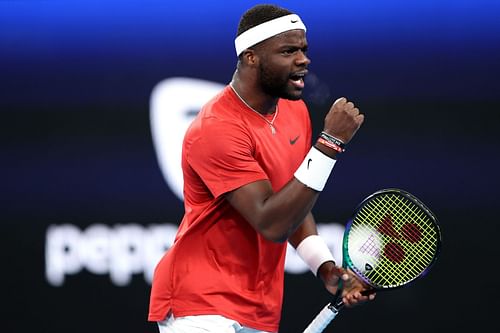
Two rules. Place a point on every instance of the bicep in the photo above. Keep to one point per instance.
(249, 200)
(274, 215)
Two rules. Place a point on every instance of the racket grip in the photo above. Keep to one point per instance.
(322, 319)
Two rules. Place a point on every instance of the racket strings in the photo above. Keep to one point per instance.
(408, 258)
(401, 206)
(370, 247)
(403, 242)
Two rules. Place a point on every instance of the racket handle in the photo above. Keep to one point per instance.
(322, 319)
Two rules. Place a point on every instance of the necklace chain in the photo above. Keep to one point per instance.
(269, 122)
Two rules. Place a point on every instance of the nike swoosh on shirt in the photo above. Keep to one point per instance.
(292, 141)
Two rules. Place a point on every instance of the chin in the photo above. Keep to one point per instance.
(286, 92)
(293, 96)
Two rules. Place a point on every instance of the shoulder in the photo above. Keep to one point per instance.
(219, 120)
(220, 108)
(221, 113)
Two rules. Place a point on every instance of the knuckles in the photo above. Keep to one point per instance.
(343, 119)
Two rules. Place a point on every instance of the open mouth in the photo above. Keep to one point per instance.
(297, 79)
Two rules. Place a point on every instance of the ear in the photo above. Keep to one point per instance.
(249, 57)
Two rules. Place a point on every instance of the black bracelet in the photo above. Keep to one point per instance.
(332, 139)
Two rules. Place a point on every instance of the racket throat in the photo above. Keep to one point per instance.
(337, 305)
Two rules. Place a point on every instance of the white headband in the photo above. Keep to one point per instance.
(267, 30)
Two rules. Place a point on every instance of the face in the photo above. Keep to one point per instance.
(283, 64)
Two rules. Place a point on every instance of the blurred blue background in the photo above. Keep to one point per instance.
(76, 79)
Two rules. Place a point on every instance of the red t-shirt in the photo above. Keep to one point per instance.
(218, 263)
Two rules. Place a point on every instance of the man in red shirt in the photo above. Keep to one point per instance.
(251, 179)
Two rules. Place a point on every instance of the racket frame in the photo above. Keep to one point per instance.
(345, 253)
(330, 311)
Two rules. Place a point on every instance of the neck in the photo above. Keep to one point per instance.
(253, 96)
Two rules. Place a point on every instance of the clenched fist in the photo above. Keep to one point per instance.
(343, 120)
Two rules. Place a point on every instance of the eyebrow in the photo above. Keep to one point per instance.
(293, 46)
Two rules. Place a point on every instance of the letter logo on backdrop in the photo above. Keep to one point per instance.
(120, 251)
(174, 104)
(125, 250)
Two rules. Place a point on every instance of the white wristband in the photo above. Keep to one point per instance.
(315, 169)
(314, 251)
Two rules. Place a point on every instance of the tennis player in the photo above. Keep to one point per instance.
(251, 178)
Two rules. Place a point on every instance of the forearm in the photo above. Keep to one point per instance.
(307, 228)
(312, 248)
(276, 215)
(285, 211)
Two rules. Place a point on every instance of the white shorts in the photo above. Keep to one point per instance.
(203, 324)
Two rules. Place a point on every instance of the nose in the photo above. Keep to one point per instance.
(302, 59)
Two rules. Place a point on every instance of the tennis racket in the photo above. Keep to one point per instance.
(391, 240)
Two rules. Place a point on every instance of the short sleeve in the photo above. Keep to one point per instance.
(223, 156)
